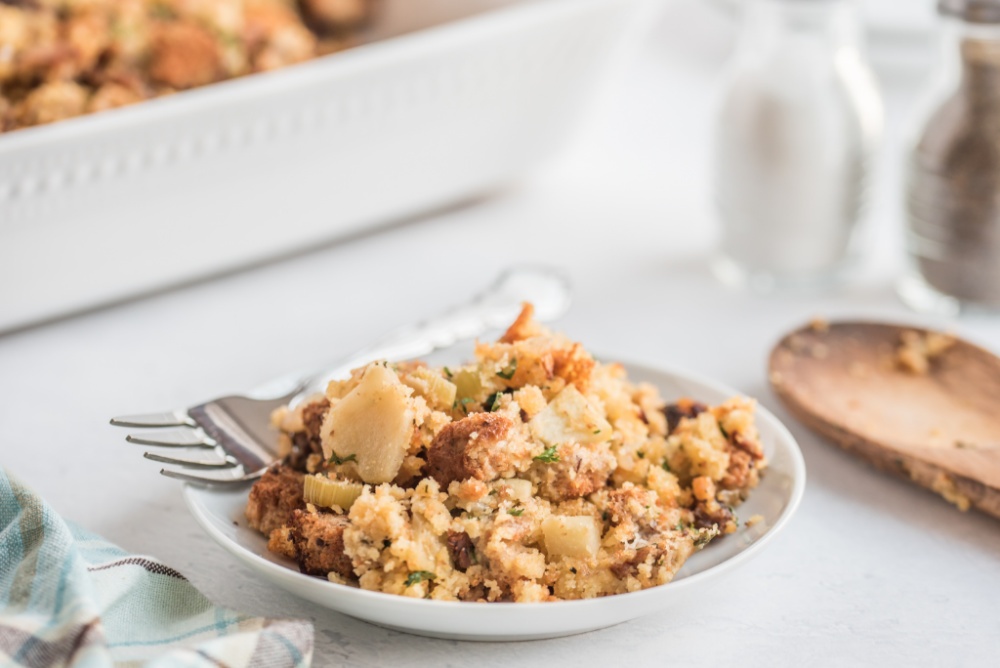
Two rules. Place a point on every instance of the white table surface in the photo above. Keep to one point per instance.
(870, 571)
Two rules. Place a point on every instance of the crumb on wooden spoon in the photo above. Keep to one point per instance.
(917, 350)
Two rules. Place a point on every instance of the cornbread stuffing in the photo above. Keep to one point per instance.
(64, 58)
(534, 473)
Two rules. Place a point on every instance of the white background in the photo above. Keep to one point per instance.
(871, 570)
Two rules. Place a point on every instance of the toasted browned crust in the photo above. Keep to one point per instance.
(472, 447)
(741, 473)
(574, 365)
(274, 498)
(319, 542)
(524, 327)
(280, 542)
(308, 441)
(184, 55)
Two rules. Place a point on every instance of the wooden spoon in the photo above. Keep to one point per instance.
(939, 429)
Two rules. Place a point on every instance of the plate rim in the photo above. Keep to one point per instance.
(797, 472)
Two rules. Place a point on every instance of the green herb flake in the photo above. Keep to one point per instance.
(596, 432)
(665, 466)
(508, 372)
(493, 401)
(641, 454)
(516, 512)
(548, 455)
(448, 372)
(419, 576)
(334, 459)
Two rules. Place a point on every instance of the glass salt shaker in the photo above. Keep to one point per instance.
(796, 134)
(953, 180)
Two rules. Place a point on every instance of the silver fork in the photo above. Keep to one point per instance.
(234, 433)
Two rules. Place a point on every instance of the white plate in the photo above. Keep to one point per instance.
(776, 499)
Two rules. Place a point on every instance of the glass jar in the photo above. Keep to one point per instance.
(953, 176)
(797, 130)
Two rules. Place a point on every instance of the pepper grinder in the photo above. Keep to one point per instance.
(797, 129)
(953, 180)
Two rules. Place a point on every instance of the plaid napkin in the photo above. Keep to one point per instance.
(69, 598)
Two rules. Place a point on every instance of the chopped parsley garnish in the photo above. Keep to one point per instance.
(597, 431)
(548, 455)
(704, 539)
(448, 372)
(493, 401)
(508, 372)
(665, 466)
(723, 430)
(641, 454)
(419, 576)
(334, 459)
(516, 512)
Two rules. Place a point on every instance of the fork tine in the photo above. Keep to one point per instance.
(224, 463)
(182, 437)
(169, 419)
(204, 480)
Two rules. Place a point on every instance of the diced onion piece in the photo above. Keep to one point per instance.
(571, 536)
(468, 384)
(569, 417)
(439, 393)
(521, 489)
(322, 491)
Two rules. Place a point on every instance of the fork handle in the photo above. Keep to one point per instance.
(547, 288)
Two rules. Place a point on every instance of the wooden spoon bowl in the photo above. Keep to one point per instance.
(939, 429)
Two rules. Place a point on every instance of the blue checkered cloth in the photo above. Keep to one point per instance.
(70, 598)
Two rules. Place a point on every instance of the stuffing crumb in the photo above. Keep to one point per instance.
(917, 351)
(819, 324)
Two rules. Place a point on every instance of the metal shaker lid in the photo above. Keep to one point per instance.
(976, 11)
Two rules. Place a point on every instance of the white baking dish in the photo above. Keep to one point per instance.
(107, 206)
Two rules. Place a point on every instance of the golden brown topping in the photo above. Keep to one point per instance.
(319, 543)
(184, 55)
(480, 446)
(274, 498)
(524, 327)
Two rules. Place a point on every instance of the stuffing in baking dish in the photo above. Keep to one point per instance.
(534, 473)
(64, 58)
